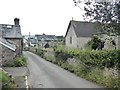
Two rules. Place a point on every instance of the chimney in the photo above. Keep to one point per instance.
(16, 21)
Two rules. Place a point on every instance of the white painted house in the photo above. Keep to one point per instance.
(79, 33)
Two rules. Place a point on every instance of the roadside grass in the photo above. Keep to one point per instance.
(7, 82)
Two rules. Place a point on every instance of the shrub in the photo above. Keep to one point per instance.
(64, 65)
(47, 45)
(40, 52)
(50, 58)
(62, 56)
(101, 59)
(93, 43)
(20, 61)
(81, 70)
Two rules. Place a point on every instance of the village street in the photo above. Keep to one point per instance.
(44, 74)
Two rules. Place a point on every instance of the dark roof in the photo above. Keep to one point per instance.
(10, 31)
(46, 37)
(82, 29)
(33, 40)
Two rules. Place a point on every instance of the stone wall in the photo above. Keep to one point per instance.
(6, 55)
(18, 43)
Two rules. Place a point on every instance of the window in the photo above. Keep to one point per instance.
(70, 40)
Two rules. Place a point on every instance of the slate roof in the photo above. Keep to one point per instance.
(28, 36)
(82, 29)
(33, 41)
(7, 44)
(46, 37)
(10, 31)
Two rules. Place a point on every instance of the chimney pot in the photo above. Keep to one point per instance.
(16, 21)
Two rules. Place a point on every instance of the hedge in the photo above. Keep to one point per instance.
(100, 58)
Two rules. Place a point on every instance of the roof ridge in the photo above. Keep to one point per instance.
(82, 28)
(81, 21)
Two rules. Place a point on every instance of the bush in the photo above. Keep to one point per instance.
(40, 52)
(101, 59)
(47, 45)
(93, 43)
(50, 58)
(62, 56)
(20, 61)
(81, 70)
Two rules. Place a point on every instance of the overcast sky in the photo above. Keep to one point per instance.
(40, 16)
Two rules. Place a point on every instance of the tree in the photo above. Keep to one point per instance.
(106, 14)
(47, 45)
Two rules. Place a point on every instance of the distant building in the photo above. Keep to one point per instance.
(11, 36)
(44, 39)
(29, 40)
(32, 42)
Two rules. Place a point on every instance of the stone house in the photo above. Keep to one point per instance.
(11, 42)
(79, 33)
(12, 33)
(44, 39)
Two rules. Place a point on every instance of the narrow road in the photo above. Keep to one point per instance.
(44, 74)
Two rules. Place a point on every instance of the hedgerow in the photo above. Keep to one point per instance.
(100, 58)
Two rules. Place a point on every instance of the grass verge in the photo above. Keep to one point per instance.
(7, 82)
